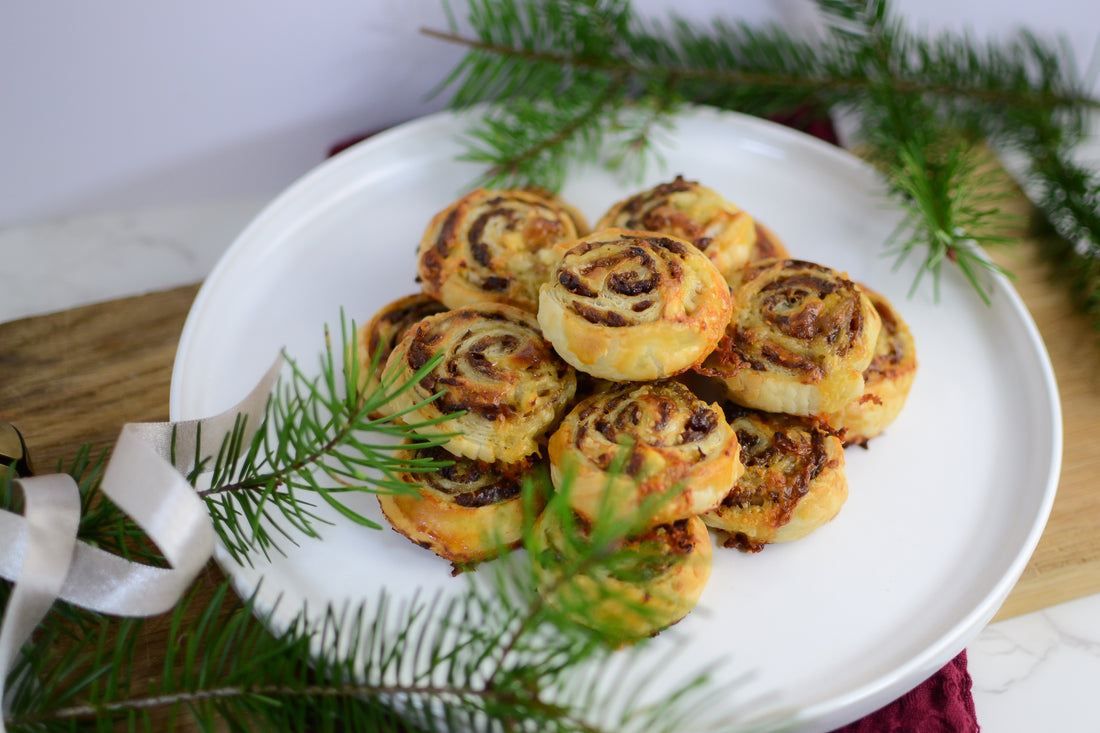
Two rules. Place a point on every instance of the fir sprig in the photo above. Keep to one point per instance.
(490, 656)
(572, 72)
(474, 661)
(1068, 194)
(319, 442)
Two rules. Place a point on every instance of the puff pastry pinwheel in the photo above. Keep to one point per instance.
(794, 480)
(631, 305)
(652, 582)
(887, 380)
(465, 512)
(649, 453)
(496, 368)
(494, 246)
(799, 339)
(376, 338)
(693, 212)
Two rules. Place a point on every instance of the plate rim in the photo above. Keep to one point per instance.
(863, 699)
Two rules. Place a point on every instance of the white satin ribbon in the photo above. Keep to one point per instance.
(39, 551)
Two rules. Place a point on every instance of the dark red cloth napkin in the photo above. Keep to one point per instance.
(941, 704)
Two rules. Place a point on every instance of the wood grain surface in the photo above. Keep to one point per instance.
(1066, 563)
(75, 377)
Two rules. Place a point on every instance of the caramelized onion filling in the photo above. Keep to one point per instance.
(471, 483)
(793, 480)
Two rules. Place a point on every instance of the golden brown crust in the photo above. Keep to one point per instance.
(887, 379)
(496, 367)
(376, 339)
(465, 512)
(690, 211)
(794, 480)
(629, 305)
(800, 336)
(580, 223)
(766, 246)
(656, 580)
(682, 456)
(494, 246)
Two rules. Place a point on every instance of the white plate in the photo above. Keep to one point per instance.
(944, 509)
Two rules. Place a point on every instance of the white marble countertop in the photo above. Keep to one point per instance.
(1031, 673)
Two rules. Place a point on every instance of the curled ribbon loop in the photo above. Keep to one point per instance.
(41, 555)
(39, 551)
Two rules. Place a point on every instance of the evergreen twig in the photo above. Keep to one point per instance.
(544, 66)
(489, 655)
(316, 445)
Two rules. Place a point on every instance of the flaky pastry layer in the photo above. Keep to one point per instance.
(691, 211)
(765, 247)
(496, 368)
(494, 245)
(794, 480)
(376, 339)
(800, 336)
(465, 512)
(887, 380)
(629, 305)
(653, 452)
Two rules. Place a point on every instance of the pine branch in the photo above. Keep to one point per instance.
(569, 134)
(1070, 203)
(952, 207)
(725, 42)
(438, 664)
(427, 658)
(550, 60)
(313, 446)
(1068, 197)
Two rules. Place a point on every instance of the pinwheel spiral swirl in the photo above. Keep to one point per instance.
(675, 455)
(494, 246)
(799, 339)
(794, 480)
(464, 512)
(496, 368)
(693, 212)
(628, 305)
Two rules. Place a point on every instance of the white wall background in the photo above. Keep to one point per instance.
(128, 103)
